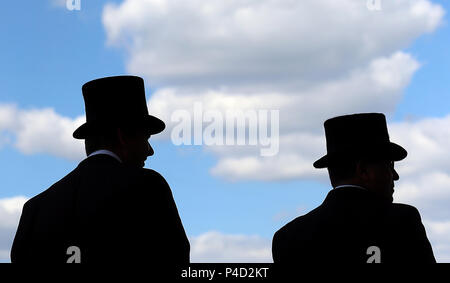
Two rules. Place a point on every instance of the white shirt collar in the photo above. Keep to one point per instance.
(353, 186)
(107, 152)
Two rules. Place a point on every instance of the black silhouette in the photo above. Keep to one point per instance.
(108, 209)
(357, 222)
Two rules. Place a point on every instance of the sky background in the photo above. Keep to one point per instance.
(311, 60)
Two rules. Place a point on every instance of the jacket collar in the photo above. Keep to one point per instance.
(350, 193)
(107, 152)
(352, 186)
(100, 158)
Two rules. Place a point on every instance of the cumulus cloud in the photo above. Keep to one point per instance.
(376, 87)
(372, 89)
(10, 211)
(218, 247)
(294, 161)
(40, 131)
(427, 143)
(425, 173)
(439, 235)
(425, 140)
(7, 116)
(266, 44)
(271, 55)
(428, 191)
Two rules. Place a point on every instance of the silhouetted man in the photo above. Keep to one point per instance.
(357, 222)
(108, 209)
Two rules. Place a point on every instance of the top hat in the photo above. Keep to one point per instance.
(113, 102)
(358, 136)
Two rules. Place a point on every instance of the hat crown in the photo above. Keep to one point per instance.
(350, 132)
(114, 99)
(356, 136)
(113, 102)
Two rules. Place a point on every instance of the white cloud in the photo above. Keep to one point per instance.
(263, 44)
(45, 131)
(438, 233)
(218, 247)
(429, 191)
(7, 116)
(10, 211)
(40, 131)
(294, 161)
(375, 84)
(376, 87)
(427, 143)
(425, 174)
(271, 55)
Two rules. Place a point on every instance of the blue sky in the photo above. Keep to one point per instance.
(425, 96)
(48, 52)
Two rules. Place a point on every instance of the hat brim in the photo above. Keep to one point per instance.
(390, 151)
(150, 123)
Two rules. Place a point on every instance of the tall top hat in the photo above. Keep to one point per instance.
(114, 102)
(358, 136)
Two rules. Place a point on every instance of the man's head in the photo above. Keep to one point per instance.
(131, 145)
(117, 118)
(359, 153)
(377, 176)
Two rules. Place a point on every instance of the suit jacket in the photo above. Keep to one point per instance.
(112, 213)
(346, 224)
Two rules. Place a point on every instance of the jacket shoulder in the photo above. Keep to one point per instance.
(405, 211)
(49, 192)
(404, 207)
(150, 173)
(288, 239)
(147, 176)
(297, 224)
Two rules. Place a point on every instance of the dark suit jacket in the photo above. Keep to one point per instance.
(348, 222)
(111, 212)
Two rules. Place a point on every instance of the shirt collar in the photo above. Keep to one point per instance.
(353, 186)
(107, 152)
